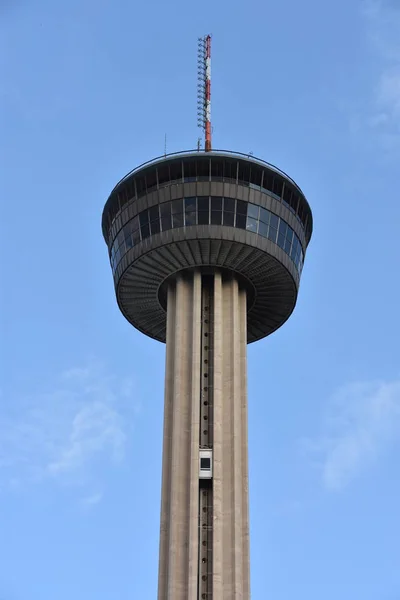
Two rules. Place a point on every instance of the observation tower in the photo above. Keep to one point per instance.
(206, 249)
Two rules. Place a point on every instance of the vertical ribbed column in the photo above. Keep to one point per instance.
(230, 481)
(223, 327)
(178, 566)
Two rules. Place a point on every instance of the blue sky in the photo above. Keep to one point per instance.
(89, 90)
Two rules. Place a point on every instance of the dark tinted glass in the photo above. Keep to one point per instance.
(177, 206)
(217, 168)
(190, 218)
(216, 203)
(203, 217)
(229, 204)
(244, 172)
(203, 203)
(205, 463)
(216, 217)
(155, 226)
(255, 176)
(229, 218)
(241, 221)
(144, 217)
(163, 174)
(176, 171)
(277, 186)
(153, 213)
(165, 210)
(268, 179)
(145, 229)
(190, 204)
(241, 207)
(151, 180)
(230, 168)
(189, 169)
(140, 185)
(203, 169)
(177, 220)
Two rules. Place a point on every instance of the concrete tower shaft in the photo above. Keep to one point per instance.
(204, 543)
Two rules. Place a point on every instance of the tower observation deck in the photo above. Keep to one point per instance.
(206, 251)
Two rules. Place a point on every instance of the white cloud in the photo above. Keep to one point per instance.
(65, 435)
(363, 420)
(93, 499)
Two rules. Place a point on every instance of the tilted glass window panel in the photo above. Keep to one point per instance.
(244, 172)
(253, 211)
(177, 206)
(190, 204)
(177, 220)
(216, 203)
(189, 170)
(203, 203)
(282, 227)
(166, 222)
(289, 233)
(294, 202)
(203, 169)
(274, 221)
(145, 230)
(120, 237)
(153, 213)
(272, 233)
(151, 180)
(264, 215)
(287, 194)
(277, 186)
(255, 176)
(229, 218)
(128, 238)
(203, 217)
(252, 224)
(241, 207)
(216, 169)
(281, 241)
(262, 229)
(240, 221)
(143, 218)
(268, 181)
(229, 204)
(140, 185)
(155, 226)
(175, 171)
(136, 237)
(216, 217)
(230, 169)
(287, 246)
(190, 218)
(163, 174)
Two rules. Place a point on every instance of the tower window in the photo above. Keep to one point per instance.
(205, 464)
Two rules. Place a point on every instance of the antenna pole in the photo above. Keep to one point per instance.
(204, 88)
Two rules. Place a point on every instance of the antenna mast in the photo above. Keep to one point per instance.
(204, 88)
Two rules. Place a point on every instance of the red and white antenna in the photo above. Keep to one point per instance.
(204, 88)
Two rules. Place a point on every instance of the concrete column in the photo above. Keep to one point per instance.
(179, 540)
(230, 481)
(178, 565)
